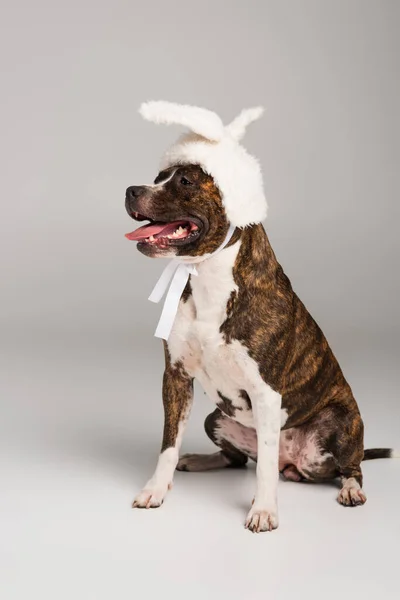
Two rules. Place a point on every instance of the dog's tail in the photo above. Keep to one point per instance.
(380, 453)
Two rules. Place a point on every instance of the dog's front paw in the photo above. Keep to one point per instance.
(150, 497)
(260, 519)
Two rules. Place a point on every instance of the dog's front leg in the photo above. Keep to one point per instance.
(266, 404)
(177, 400)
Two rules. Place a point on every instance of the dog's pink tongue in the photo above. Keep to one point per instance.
(155, 229)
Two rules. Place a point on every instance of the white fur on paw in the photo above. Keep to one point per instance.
(351, 496)
(261, 520)
(150, 498)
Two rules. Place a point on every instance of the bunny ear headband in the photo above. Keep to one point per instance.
(216, 148)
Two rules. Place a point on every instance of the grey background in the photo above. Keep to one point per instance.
(80, 371)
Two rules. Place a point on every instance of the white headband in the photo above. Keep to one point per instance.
(216, 149)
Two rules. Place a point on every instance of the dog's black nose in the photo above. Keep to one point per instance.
(134, 191)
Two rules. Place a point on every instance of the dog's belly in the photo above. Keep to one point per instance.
(297, 449)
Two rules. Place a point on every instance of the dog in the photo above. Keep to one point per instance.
(242, 332)
(232, 321)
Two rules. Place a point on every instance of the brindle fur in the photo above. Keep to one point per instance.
(235, 456)
(293, 355)
(177, 398)
(227, 406)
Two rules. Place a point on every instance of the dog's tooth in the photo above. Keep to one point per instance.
(152, 238)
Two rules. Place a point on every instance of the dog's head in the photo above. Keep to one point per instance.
(185, 213)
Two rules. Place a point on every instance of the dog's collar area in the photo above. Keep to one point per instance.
(176, 275)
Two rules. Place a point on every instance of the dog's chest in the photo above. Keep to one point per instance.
(197, 342)
(195, 338)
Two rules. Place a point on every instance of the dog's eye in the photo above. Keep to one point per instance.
(185, 181)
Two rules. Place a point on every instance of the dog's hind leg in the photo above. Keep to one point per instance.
(237, 443)
(344, 439)
(331, 446)
(349, 455)
(204, 462)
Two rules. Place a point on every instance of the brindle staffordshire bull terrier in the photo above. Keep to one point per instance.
(242, 332)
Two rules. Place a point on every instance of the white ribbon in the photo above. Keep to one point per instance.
(176, 275)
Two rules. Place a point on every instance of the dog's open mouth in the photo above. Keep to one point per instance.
(160, 233)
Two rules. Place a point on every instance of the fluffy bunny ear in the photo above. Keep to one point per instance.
(199, 120)
(237, 128)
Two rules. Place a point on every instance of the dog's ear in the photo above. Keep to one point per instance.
(204, 122)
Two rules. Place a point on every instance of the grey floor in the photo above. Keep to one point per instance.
(80, 434)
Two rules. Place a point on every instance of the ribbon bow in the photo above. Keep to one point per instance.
(176, 275)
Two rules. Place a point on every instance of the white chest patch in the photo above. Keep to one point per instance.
(195, 338)
(223, 370)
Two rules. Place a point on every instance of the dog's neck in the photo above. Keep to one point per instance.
(218, 267)
(237, 268)
(248, 247)
(256, 261)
